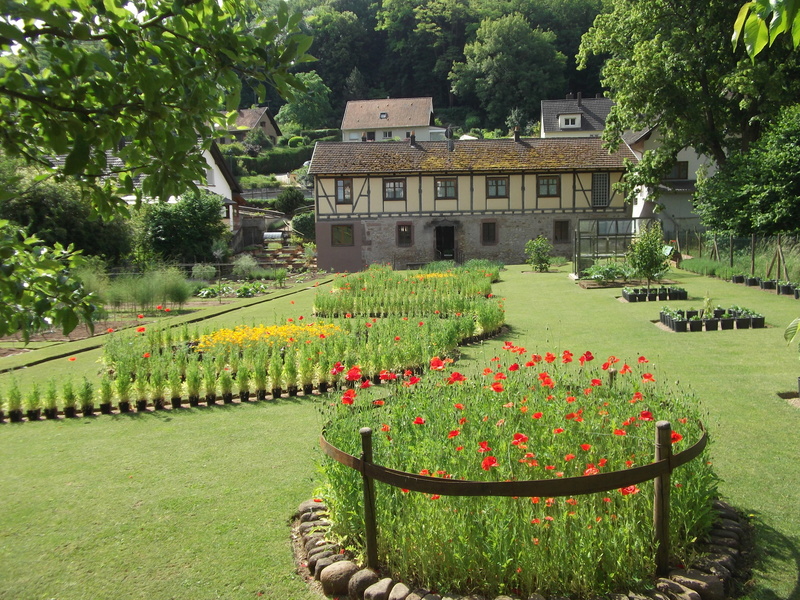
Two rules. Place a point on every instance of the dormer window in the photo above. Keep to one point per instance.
(384, 115)
(569, 121)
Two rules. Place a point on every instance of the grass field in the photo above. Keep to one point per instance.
(195, 504)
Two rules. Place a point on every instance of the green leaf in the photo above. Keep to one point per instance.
(78, 158)
(756, 35)
(791, 331)
(739, 23)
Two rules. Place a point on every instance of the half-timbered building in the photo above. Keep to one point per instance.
(409, 203)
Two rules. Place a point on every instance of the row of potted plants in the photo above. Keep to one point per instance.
(632, 294)
(781, 287)
(734, 317)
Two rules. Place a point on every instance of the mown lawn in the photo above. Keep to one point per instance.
(195, 504)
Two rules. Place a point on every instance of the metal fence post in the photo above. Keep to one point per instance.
(661, 499)
(370, 526)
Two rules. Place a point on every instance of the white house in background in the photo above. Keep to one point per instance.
(389, 119)
(576, 117)
(673, 207)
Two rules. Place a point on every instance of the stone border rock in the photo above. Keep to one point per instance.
(723, 564)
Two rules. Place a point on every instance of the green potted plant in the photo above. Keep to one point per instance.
(757, 320)
(175, 385)
(695, 323)
(305, 370)
(51, 401)
(86, 397)
(275, 372)
(538, 253)
(194, 380)
(140, 384)
(210, 382)
(158, 383)
(14, 403)
(290, 373)
(68, 399)
(122, 385)
(226, 385)
(260, 377)
(243, 376)
(33, 403)
(726, 320)
(106, 393)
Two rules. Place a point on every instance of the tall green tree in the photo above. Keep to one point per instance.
(508, 66)
(311, 110)
(186, 230)
(761, 22)
(77, 77)
(673, 68)
(757, 191)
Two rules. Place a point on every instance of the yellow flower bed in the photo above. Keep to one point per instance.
(244, 336)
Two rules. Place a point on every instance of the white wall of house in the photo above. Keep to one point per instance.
(422, 134)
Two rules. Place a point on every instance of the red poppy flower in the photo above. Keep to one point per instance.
(385, 427)
(348, 396)
(421, 323)
(620, 432)
(500, 376)
(484, 447)
(497, 387)
(300, 318)
(455, 376)
(558, 430)
(637, 397)
(569, 457)
(354, 374)
(586, 447)
(627, 491)
(586, 357)
(408, 373)
(514, 367)
(140, 316)
(459, 406)
(536, 415)
(459, 448)
(648, 377)
(570, 399)
(365, 384)
(379, 402)
(625, 369)
(369, 324)
(159, 307)
(435, 497)
(519, 438)
(72, 358)
(110, 330)
(462, 420)
(508, 346)
(566, 357)
(591, 471)
(397, 338)
(571, 501)
(348, 316)
(597, 382)
(140, 330)
(413, 381)
(337, 368)
(166, 310)
(642, 360)
(550, 467)
(645, 415)
(146, 355)
(437, 364)
(676, 437)
(488, 463)
(549, 357)
(419, 421)
(602, 462)
(453, 433)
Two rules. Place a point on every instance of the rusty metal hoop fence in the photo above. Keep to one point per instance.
(660, 470)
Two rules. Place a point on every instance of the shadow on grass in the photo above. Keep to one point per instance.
(773, 553)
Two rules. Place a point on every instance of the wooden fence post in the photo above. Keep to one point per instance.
(370, 526)
(661, 500)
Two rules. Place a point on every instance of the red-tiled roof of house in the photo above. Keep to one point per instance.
(399, 112)
(534, 154)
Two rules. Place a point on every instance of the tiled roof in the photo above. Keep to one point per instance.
(248, 118)
(593, 111)
(400, 112)
(534, 154)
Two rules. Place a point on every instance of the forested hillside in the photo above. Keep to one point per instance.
(482, 61)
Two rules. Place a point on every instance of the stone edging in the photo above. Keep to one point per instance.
(716, 574)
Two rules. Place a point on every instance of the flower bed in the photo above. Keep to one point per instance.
(527, 416)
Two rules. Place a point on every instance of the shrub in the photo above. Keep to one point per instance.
(203, 271)
(296, 141)
(647, 254)
(289, 200)
(538, 253)
(305, 225)
(243, 266)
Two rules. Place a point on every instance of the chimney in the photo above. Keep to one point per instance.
(516, 133)
(580, 97)
(363, 137)
(598, 95)
(569, 96)
(413, 139)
